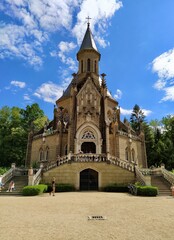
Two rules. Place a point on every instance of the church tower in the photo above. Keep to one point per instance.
(90, 103)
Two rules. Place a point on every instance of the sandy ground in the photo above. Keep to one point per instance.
(65, 217)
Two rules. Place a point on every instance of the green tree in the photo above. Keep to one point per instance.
(15, 125)
(137, 118)
(30, 115)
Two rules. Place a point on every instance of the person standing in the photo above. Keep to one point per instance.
(53, 187)
(11, 186)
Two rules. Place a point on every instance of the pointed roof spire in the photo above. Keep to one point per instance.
(88, 40)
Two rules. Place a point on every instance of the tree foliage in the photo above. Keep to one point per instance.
(15, 123)
(159, 137)
(137, 118)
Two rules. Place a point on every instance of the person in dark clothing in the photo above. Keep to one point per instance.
(53, 187)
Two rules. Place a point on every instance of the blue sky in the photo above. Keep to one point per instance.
(39, 40)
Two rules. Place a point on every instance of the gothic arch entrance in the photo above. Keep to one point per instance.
(88, 139)
(88, 180)
(88, 147)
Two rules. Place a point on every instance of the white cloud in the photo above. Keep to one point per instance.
(49, 92)
(146, 112)
(160, 84)
(38, 19)
(169, 94)
(163, 65)
(125, 111)
(27, 97)
(100, 12)
(118, 94)
(18, 84)
(129, 111)
(64, 49)
(14, 43)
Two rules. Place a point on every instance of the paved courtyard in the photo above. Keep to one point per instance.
(65, 217)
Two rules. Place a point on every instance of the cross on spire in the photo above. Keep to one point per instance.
(88, 18)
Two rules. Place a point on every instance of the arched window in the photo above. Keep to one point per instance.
(95, 66)
(41, 155)
(66, 150)
(81, 66)
(133, 155)
(47, 154)
(88, 65)
(126, 154)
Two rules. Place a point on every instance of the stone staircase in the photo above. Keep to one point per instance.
(162, 184)
(20, 182)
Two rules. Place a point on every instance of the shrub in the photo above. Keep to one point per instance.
(34, 190)
(147, 191)
(62, 187)
(65, 187)
(114, 187)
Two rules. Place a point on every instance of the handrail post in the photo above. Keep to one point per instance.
(30, 176)
(69, 155)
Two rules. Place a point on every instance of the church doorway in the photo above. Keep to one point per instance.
(88, 147)
(88, 180)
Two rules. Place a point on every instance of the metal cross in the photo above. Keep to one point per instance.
(88, 18)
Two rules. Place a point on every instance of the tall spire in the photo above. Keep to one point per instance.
(88, 42)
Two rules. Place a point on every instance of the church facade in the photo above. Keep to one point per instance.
(86, 144)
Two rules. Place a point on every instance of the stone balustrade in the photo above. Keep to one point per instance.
(90, 157)
(140, 177)
(7, 176)
(169, 176)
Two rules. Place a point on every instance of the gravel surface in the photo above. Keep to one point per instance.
(65, 217)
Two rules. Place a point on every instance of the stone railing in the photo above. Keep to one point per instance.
(7, 176)
(168, 175)
(37, 177)
(123, 133)
(34, 179)
(127, 135)
(140, 177)
(47, 133)
(60, 161)
(146, 171)
(122, 163)
(89, 157)
(70, 158)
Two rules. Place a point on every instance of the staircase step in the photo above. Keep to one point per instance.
(20, 182)
(161, 183)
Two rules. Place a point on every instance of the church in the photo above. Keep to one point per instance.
(86, 144)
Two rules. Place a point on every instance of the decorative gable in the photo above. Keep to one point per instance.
(88, 103)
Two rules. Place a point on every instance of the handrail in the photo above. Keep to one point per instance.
(146, 171)
(168, 175)
(7, 176)
(37, 177)
(140, 176)
(122, 163)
